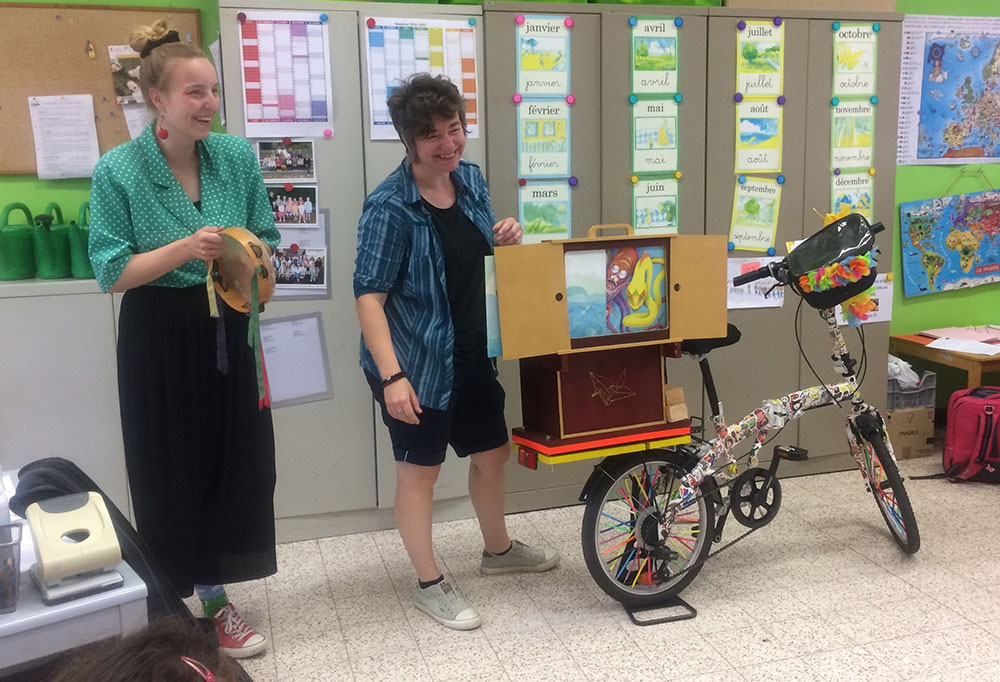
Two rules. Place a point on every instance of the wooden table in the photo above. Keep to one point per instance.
(915, 346)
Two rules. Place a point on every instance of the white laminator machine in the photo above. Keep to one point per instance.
(76, 547)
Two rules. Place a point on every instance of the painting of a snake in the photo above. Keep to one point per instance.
(645, 295)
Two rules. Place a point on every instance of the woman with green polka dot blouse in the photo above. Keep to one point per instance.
(199, 452)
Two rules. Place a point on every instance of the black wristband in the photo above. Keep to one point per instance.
(401, 374)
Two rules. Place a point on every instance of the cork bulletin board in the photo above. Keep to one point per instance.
(52, 51)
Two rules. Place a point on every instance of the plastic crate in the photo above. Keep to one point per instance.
(923, 395)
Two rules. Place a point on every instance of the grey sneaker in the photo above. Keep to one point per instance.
(445, 605)
(520, 557)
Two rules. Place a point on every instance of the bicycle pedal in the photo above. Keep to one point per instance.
(791, 453)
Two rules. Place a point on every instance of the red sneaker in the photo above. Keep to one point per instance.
(235, 636)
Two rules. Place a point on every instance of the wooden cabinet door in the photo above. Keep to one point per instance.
(531, 293)
(697, 286)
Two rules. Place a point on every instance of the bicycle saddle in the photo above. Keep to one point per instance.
(703, 346)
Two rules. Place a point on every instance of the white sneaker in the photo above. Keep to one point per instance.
(443, 603)
(519, 559)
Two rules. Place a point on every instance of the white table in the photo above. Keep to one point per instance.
(35, 630)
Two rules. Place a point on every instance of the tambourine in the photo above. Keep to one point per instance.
(246, 258)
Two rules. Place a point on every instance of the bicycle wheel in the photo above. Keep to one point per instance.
(887, 486)
(635, 550)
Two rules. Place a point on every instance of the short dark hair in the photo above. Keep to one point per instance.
(419, 102)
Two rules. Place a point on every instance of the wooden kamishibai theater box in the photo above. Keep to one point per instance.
(591, 320)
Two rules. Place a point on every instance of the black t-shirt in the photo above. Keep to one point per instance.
(464, 248)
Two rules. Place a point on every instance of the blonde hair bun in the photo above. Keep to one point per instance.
(141, 36)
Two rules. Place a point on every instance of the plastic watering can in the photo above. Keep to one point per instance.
(17, 250)
(52, 244)
(79, 235)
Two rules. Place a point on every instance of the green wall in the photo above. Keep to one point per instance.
(69, 194)
(979, 305)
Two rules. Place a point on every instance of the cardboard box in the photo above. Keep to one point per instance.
(912, 432)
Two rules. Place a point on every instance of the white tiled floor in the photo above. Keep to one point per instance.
(822, 594)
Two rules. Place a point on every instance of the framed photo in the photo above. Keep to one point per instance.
(293, 205)
(278, 161)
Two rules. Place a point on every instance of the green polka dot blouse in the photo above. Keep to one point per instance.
(137, 205)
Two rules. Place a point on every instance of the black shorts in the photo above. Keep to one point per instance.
(473, 422)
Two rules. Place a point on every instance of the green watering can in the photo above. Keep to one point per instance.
(52, 244)
(17, 249)
(79, 235)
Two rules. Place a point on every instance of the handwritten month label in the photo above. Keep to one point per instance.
(654, 206)
(654, 56)
(852, 128)
(758, 136)
(543, 139)
(654, 136)
(855, 57)
(852, 191)
(544, 211)
(543, 56)
(760, 59)
(755, 214)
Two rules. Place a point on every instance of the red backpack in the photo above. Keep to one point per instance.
(972, 440)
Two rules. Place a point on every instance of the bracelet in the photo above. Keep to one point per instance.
(401, 374)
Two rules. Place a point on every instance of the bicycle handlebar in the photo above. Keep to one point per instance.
(779, 269)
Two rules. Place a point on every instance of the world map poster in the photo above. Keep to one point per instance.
(950, 90)
(950, 243)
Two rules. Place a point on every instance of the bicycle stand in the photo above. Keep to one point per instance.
(687, 612)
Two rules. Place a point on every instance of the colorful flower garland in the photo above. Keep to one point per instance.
(840, 274)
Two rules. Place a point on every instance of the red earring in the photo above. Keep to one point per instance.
(162, 133)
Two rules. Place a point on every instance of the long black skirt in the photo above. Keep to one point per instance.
(199, 452)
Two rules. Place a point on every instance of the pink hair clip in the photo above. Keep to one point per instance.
(200, 668)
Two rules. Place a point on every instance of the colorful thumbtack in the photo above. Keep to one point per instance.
(738, 97)
(472, 21)
(678, 22)
(371, 22)
(568, 22)
(678, 175)
(517, 99)
(876, 27)
(836, 171)
(327, 132)
(741, 179)
(871, 171)
(677, 97)
(288, 187)
(770, 251)
(519, 20)
(570, 99)
(777, 21)
(573, 181)
(873, 99)
(522, 182)
(731, 246)
(632, 21)
(632, 99)
(740, 25)
(835, 26)
(888, 277)
(634, 179)
(781, 100)
(241, 17)
(834, 101)
(324, 17)
(781, 179)
(286, 141)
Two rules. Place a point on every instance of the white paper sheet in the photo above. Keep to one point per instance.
(65, 136)
(285, 64)
(297, 370)
(398, 48)
(753, 295)
(963, 346)
(136, 118)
